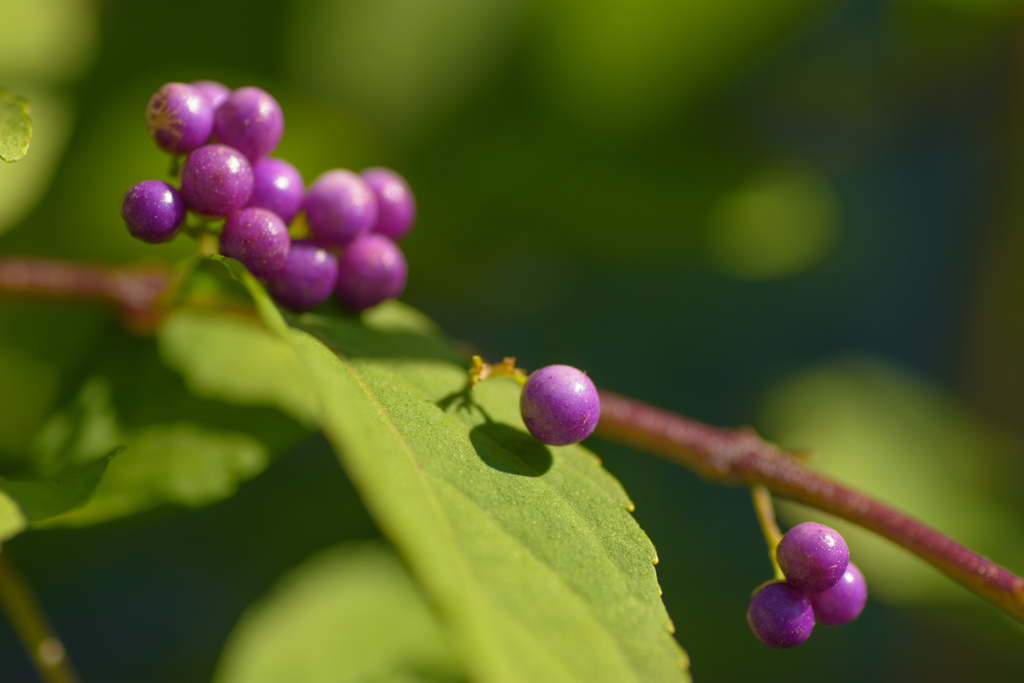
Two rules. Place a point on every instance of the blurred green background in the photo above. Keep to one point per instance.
(800, 215)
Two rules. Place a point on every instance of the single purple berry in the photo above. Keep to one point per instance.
(258, 238)
(813, 557)
(396, 207)
(843, 602)
(251, 121)
(179, 118)
(307, 278)
(371, 269)
(340, 207)
(214, 92)
(559, 405)
(153, 211)
(216, 180)
(780, 616)
(277, 186)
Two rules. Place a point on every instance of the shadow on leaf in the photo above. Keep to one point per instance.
(350, 336)
(510, 450)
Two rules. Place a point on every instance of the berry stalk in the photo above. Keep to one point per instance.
(765, 511)
(43, 647)
(740, 456)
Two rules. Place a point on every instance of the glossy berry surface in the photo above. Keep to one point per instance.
(179, 118)
(843, 602)
(813, 557)
(216, 180)
(153, 211)
(258, 238)
(307, 277)
(250, 120)
(214, 92)
(559, 405)
(277, 186)
(371, 269)
(340, 207)
(396, 207)
(780, 616)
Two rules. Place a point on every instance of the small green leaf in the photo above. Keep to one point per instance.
(182, 464)
(348, 615)
(72, 453)
(179, 448)
(41, 499)
(15, 126)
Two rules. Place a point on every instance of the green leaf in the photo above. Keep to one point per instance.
(15, 126)
(179, 448)
(532, 551)
(240, 361)
(528, 552)
(63, 480)
(351, 614)
(41, 499)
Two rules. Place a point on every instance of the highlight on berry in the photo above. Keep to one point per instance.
(230, 188)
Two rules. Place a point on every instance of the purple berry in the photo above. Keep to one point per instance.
(813, 557)
(371, 269)
(258, 238)
(277, 186)
(843, 602)
(780, 616)
(559, 405)
(153, 211)
(251, 121)
(216, 180)
(307, 278)
(340, 207)
(179, 118)
(396, 207)
(214, 92)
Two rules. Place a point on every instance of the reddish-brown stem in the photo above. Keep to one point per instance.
(740, 456)
(732, 456)
(134, 291)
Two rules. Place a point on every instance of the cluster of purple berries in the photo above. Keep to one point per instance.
(354, 220)
(822, 586)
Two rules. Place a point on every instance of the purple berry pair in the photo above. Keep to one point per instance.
(354, 220)
(370, 270)
(341, 206)
(181, 117)
(821, 586)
